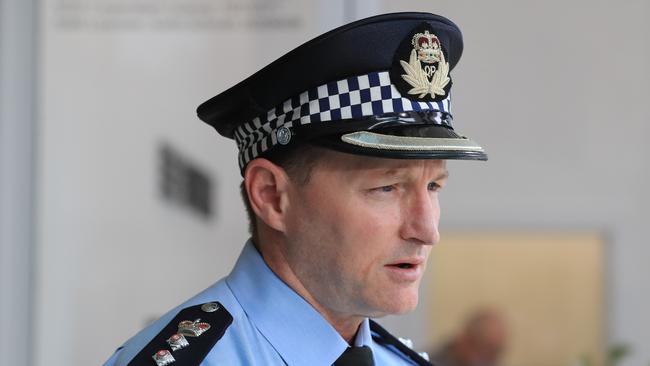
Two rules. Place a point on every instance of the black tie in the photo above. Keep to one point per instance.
(355, 356)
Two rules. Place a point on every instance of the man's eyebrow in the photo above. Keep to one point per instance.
(443, 175)
(398, 172)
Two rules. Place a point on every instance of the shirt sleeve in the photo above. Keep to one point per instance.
(111, 361)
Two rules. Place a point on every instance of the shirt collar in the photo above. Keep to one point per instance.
(291, 325)
(364, 336)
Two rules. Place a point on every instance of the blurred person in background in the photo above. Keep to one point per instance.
(343, 145)
(481, 342)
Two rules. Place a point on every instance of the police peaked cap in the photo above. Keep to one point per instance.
(379, 86)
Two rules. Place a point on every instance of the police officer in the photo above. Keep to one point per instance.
(342, 147)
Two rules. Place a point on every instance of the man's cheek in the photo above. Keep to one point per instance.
(380, 220)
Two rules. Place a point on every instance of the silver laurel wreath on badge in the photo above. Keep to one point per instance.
(428, 79)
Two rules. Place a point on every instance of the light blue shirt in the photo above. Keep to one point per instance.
(272, 324)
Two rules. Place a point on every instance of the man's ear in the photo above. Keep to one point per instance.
(266, 185)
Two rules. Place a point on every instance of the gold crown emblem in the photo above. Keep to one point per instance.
(427, 46)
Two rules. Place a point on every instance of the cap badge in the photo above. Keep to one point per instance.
(427, 70)
(192, 328)
(420, 68)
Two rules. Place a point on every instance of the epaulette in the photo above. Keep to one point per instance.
(188, 338)
(381, 335)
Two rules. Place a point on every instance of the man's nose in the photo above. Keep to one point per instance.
(420, 217)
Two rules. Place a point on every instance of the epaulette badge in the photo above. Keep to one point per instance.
(188, 338)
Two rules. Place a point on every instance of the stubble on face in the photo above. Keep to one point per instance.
(343, 233)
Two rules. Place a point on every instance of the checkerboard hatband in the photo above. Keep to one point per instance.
(348, 99)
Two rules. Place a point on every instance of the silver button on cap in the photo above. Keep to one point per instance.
(283, 135)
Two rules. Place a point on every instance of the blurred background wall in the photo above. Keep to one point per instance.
(116, 202)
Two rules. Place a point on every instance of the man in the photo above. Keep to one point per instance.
(342, 146)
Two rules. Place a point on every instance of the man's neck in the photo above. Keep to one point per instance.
(346, 325)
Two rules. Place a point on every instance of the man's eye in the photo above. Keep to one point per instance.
(386, 188)
(383, 189)
(433, 186)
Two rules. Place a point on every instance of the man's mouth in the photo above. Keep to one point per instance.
(407, 263)
(406, 270)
